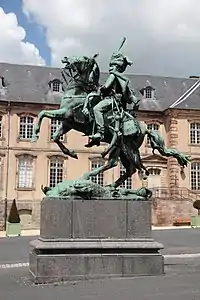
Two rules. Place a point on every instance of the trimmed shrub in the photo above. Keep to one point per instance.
(14, 215)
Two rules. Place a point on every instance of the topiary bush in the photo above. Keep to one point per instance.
(14, 215)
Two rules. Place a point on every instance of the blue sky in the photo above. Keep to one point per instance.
(163, 37)
(34, 33)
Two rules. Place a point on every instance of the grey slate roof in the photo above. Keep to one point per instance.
(192, 101)
(27, 83)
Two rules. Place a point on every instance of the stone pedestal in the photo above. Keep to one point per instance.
(82, 239)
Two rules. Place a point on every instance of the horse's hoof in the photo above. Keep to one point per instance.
(74, 155)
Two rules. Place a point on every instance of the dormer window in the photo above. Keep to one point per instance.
(56, 85)
(148, 92)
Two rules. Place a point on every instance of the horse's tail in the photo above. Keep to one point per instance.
(156, 140)
(157, 143)
(45, 189)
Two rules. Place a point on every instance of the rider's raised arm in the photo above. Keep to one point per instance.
(110, 80)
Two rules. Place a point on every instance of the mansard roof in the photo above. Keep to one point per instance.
(30, 84)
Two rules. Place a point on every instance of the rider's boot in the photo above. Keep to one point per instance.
(96, 138)
(99, 135)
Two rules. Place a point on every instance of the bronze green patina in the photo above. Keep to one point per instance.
(100, 113)
(87, 189)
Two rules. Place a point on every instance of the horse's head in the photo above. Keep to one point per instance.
(82, 68)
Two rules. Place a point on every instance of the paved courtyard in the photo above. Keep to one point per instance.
(180, 282)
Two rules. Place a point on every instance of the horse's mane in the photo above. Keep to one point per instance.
(95, 75)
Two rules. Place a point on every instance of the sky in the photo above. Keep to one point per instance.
(163, 36)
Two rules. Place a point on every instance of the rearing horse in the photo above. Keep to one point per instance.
(84, 76)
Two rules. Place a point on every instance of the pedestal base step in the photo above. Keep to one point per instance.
(62, 261)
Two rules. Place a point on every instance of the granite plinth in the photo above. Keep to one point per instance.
(81, 239)
(65, 219)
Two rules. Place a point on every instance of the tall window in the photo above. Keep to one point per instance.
(54, 126)
(1, 131)
(127, 184)
(195, 176)
(99, 179)
(56, 171)
(25, 172)
(152, 126)
(195, 133)
(26, 127)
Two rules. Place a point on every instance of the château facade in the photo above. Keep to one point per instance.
(170, 105)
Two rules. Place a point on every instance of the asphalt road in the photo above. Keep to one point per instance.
(180, 282)
(175, 241)
(175, 285)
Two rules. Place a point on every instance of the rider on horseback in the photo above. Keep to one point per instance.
(120, 85)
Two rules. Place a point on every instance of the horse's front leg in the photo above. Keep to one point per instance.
(63, 129)
(51, 114)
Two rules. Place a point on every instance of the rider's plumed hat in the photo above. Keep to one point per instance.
(119, 59)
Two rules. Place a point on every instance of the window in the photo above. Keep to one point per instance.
(99, 179)
(25, 172)
(26, 127)
(54, 126)
(195, 176)
(152, 126)
(148, 93)
(1, 131)
(127, 184)
(154, 172)
(56, 171)
(56, 86)
(195, 133)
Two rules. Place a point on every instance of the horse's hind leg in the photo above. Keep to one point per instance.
(57, 114)
(62, 129)
(111, 163)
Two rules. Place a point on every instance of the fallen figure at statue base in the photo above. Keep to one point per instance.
(86, 189)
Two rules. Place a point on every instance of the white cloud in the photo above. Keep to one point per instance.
(13, 48)
(163, 36)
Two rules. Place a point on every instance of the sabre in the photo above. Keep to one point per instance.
(122, 43)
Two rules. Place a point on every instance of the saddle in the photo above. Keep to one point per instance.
(129, 124)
